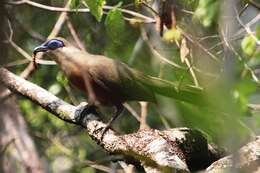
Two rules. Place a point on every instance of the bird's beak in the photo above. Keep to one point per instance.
(41, 48)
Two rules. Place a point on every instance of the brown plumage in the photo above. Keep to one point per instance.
(108, 81)
(111, 81)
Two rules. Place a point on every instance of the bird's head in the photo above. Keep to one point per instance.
(54, 45)
(50, 45)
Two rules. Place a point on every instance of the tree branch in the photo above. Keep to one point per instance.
(245, 160)
(145, 19)
(174, 149)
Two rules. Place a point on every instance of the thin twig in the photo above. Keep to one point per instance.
(132, 111)
(143, 123)
(253, 21)
(254, 77)
(156, 53)
(16, 63)
(256, 4)
(191, 70)
(150, 8)
(35, 35)
(247, 29)
(207, 37)
(186, 60)
(28, 57)
(56, 29)
(22, 51)
(188, 37)
(243, 9)
(162, 58)
(145, 19)
(167, 61)
(231, 39)
(30, 68)
(75, 35)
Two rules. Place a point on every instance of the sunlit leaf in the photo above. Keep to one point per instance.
(248, 45)
(172, 35)
(115, 24)
(96, 8)
(242, 91)
(137, 2)
(207, 11)
(184, 50)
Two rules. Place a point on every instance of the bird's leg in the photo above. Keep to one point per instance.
(92, 105)
(119, 110)
(91, 94)
(84, 110)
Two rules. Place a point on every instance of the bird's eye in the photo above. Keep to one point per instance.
(54, 44)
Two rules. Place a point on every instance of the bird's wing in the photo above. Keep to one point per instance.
(116, 77)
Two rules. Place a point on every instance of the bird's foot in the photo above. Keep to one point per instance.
(83, 111)
(87, 109)
(102, 130)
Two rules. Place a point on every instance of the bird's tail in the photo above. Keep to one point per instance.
(187, 93)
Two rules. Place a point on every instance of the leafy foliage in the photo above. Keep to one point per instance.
(96, 7)
(115, 25)
(207, 11)
(172, 35)
(248, 45)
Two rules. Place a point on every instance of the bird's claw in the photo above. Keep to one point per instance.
(103, 131)
(89, 109)
(84, 110)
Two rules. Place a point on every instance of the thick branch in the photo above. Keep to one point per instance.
(182, 149)
(247, 159)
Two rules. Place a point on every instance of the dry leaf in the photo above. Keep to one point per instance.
(184, 50)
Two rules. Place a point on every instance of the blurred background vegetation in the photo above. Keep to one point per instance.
(210, 44)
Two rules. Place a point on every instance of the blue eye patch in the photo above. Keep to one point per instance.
(54, 44)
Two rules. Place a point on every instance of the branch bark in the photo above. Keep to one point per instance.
(247, 159)
(174, 149)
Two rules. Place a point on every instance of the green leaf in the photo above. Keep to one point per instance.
(248, 45)
(243, 89)
(115, 25)
(172, 35)
(61, 78)
(96, 8)
(137, 2)
(207, 11)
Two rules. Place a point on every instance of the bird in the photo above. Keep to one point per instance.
(109, 82)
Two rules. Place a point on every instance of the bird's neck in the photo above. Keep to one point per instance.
(65, 54)
(68, 58)
(71, 59)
